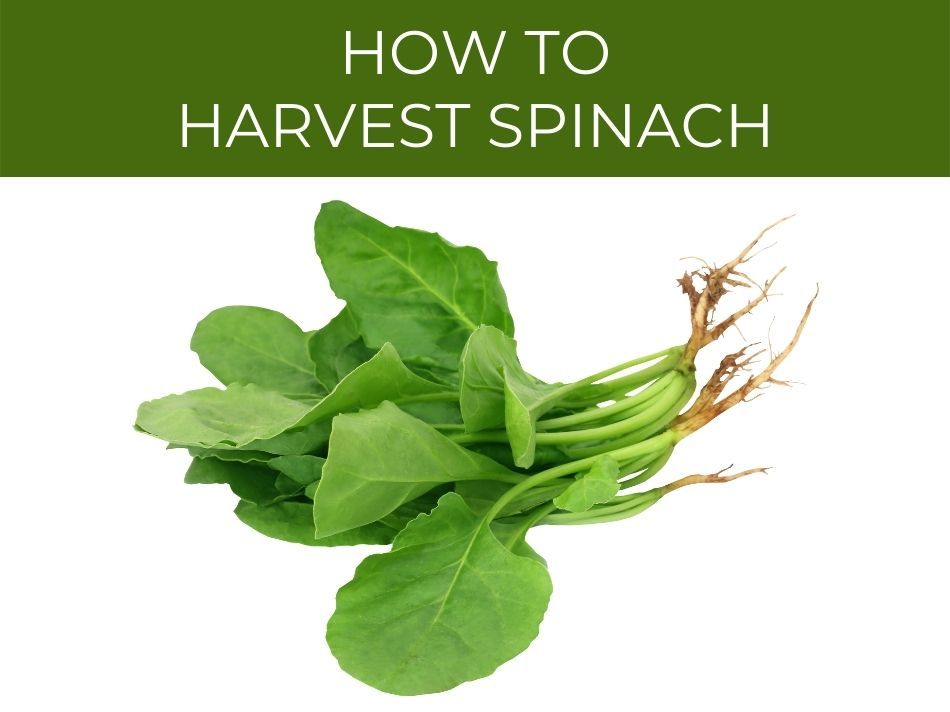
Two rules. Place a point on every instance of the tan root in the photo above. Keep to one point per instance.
(712, 479)
(709, 405)
(706, 286)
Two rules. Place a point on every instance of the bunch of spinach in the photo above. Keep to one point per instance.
(409, 420)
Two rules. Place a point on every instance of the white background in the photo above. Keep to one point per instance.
(822, 585)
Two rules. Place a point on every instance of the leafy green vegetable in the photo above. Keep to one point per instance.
(596, 486)
(302, 469)
(294, 441)
(383, 377)
(293, 522)
(255, 345)
(448, 604)
(487, 355)
(245, 415)
(410, 288)
(495, 391)
(211, 417)
(337, 349)
(448, 448)
(248, 481)
(230, 455)
(383, 457)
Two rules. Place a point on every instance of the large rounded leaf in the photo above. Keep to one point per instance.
(407, 287)
(256, 345)
(450, 603)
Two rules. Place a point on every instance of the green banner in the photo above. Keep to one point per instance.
(491, 88)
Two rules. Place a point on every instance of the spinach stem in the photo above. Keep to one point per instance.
(596, 413)
(671, 396)
(600, 375)
(658, 464)
(610, 390)
(656, 416)
(664, 439)
(643, 433)
(532, 518)
(600, 515)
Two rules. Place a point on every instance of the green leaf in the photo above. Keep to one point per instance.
(487, 353)
(383, 377)
(302, 469)
(212, 417)
(495, 391)
(293, 522)
(337, 349)
(255, 483)
(408, 287)
(596, 486)
(448, 604)
(296, 440)
(442, 412)
(287, 486)
(405, 513)
(526, 400)
(230, 455)
(255, 345)
(249, 416)
(383, 457)
(511, 535)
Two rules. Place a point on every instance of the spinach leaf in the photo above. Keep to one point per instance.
(287, 486)
(248, 416)
(211, 417)
(495, 391)
(448, 604)
(526, 400)
(294, 441)
(302, 469)
(596, 486)
(441, 412)
(256, 345)
(511, 535)
(383, 377)
(383, 457)
(254, 483)
(487, 353)
(337, 349)
(230, 455)
(293, 522)
(408, 287)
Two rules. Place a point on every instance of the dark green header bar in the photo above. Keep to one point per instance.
(690, 88)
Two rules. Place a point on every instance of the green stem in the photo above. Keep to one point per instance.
(642, 434)
(510, 478)
(658, 464)
(485, 436)
(598, 516)
(671, 396)
(617, 387)
(664, 439)
(534, 497)
(637, 465)
(597, 413)
(593, 378)
(532, 518)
